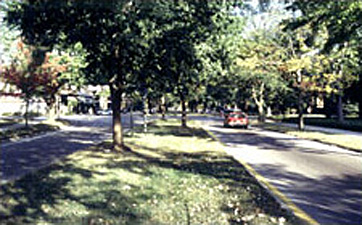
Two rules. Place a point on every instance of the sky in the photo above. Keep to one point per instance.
(272, 15)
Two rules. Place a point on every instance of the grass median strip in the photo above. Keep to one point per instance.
(171, 175)
(32, 130)
(341, 140)
(6, 122)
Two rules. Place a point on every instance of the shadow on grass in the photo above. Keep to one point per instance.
(26, 196)
(45, 196)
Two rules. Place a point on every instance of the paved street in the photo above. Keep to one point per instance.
(24, 156)
(323, 180)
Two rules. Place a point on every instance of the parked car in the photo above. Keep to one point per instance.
(236, 119)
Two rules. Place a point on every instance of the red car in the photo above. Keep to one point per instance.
(236, 119)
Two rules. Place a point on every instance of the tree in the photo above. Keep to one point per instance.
(342, 22)
(60, 68)
(257, 67)
(31, 78)
(217, 55)
(106, 30)
(188, 25)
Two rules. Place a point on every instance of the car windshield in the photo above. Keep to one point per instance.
(237, 116)
(231, 110)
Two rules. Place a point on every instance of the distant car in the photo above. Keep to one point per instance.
(236, 119)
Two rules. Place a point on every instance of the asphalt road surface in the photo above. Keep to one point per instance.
(323, 180)
(21, 157)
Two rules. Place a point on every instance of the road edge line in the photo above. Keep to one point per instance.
(280, 197)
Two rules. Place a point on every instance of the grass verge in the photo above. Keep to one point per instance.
(352, 124)
(345, 141)
(171, 175)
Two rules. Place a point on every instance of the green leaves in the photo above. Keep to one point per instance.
(341, 18)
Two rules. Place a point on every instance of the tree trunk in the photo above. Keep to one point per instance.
(360, 108)
(328, 106)
(205, 107)
(340, 108)
(163, 107)
(26, 115)
(183, 113)
(51, 112)
(360, 96)
(131, 118)
(145, 111)
(149, 107)
(269, 112)
(340, 89)
(301, 125)
(261, 113)
(57, 104)
(116, 95)
(259, 101)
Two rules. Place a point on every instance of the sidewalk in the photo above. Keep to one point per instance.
(317, 128)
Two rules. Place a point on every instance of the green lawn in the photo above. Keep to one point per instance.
(342, 140)
(171, 175)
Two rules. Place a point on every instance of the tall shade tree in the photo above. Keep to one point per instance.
(185, 26)
(217, 55)
(343, 24)
(108, 31)
(257, 67)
